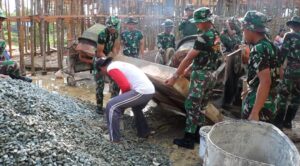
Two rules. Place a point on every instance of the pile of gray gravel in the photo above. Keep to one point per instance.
(38, 127)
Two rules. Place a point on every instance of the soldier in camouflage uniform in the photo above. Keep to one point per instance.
(186, 27)
(107, 39)
(132, 39)
(231, 38)
(231, 35)
(263, 69)
(288, 99)
(203, 58)
(165, 43)
(166, 39)
(8, 68)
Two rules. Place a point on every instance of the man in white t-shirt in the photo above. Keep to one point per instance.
(136, 91)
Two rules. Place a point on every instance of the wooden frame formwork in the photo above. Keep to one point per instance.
(63, 21)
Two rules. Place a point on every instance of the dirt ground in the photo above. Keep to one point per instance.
(166, 125)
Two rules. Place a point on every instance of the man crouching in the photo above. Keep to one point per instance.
(136, 91)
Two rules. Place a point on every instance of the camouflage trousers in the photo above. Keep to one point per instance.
(200, 91)
(9, 68)
(267, 113)
(100, 83)
(288, 99)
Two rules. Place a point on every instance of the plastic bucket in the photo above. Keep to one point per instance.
(245, 143)
(203, 134)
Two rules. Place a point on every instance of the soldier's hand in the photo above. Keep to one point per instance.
(253, 116)
(245, 53)
(3, 76)
(170, 81)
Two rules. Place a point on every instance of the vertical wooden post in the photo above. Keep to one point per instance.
(32, 40)
(42, 35)
(59, 32)
(8, 28)
(21, 37)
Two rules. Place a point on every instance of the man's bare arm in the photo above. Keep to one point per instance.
(262, 93)
(100, 51)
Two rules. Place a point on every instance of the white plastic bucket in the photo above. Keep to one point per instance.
(203, 134)
(246, 143)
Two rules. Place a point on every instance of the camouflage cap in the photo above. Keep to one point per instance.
(202, 14)
(189, 7)
(2, 15)
(294, 21)
(131, 20)
(168, 23)
(112, 22)
(255, 21)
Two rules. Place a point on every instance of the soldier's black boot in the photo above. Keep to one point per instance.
(197, 136)
(186, 142)
(23, 78)
(279, 118)
(26, 79)
(290, 115)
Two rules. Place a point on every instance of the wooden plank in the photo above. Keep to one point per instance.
(32, 42)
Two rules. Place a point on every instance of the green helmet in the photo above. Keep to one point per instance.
(189, 7)
(202, 14)
(168, 23)
(2, 15)
(131, 20)
(113, 22)
(255, 21)
(294, 21)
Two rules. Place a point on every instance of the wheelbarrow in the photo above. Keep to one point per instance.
(81, 53)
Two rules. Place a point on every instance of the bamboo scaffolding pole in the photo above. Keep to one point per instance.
(32, 40)
(21, 37)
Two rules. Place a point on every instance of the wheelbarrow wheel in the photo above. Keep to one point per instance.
(169, 55)
(159, 58)
(71, 81)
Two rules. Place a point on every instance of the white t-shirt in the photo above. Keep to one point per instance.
(131, 74)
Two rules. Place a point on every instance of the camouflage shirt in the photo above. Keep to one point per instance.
(107, 39)
(165, 41)
(230, 42)
(262, 56)
(2, 49)
(187, 28)
(208, 43)
(291, 51)
(131, 41)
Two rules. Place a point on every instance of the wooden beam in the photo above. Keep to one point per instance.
(42, 34)
(21, 37)
(32, 41)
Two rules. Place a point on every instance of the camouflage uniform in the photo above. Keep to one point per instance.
(165, 41)
(2, 49)
(108, 40)
(186, 27)
(9, 68)
(202, 82)
(230, 42)
(263, 55)
(131, 41)
(288, 99)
